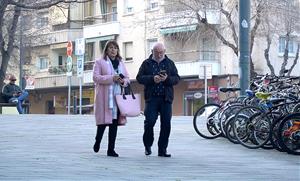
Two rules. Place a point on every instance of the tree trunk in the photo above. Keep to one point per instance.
(10, 45)
(267, 57)
(285, 55)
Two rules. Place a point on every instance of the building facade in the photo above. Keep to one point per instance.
(136, 25)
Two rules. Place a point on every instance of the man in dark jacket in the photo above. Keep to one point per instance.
(158, 74)
(13, 93)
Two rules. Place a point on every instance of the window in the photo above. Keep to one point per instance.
(60, 60)
(291, 46)
(42, 63)
(129, 6)
(153, 4)
(42, 21)
(89, 52)
(150, 44)
(89, 9)
(209, 49)
(128, 49)
(114, 14)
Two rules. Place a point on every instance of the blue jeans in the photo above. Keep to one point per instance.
(20, 99)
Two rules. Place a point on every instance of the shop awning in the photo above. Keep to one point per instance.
(177, 29)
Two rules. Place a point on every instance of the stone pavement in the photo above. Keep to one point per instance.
(59, 147)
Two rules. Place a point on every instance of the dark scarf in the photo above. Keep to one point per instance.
(115, 63)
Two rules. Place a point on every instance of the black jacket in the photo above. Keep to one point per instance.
(146, 78)
(10, 89)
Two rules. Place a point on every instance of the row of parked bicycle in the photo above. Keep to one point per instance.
(268, 116)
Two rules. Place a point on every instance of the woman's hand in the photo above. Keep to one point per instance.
(116, 78)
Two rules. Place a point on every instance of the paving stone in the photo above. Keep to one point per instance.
(59, 147)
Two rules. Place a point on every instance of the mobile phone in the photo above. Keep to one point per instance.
(121, 76)
(162, 72)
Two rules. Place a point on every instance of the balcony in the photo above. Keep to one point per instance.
(64, 35)
(56, 37)
(103, 25)
(188, 62)
(54, 81)
(187, 18)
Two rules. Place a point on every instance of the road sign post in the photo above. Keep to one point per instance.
(205, 73)
(79, 52)
(69, 71)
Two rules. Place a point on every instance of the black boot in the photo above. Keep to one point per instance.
(96, 146)
(112, 153)
(163, 153)
(148, 150)
(99, 135)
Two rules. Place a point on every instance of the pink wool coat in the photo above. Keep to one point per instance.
(103, 78)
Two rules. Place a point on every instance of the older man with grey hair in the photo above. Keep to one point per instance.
(158, 74)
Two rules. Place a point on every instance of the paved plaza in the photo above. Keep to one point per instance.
(59, 147)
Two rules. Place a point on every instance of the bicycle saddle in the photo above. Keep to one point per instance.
(263, 95)
(277, 100)
(229, 89)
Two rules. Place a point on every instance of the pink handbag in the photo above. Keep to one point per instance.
(129, 105)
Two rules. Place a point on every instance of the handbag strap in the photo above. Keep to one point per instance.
(130, 91)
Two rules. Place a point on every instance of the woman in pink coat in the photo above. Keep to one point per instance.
(109, 75)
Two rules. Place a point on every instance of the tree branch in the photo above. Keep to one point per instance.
(231, 25)
(43, 5)
(218, 34)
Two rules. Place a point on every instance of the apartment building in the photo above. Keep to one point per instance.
(136, 25)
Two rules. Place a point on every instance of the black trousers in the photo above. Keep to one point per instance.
(112, 134)
(153, 107)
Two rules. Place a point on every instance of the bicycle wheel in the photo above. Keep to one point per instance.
(289, 133)
(251, 127)
(206, 122)
(274, 131)
(228, 128)
(229, 111)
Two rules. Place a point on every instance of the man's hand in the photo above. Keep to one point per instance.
(163, 77)
(157, 79)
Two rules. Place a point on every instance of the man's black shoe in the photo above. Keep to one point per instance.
(148, 150)
(112, 153)
(164, 154)
(96, 147)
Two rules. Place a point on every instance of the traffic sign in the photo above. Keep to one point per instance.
(80, 60)
(30, 83)
(79, 46)
(69, 48)
(69, 66)
(205, 70)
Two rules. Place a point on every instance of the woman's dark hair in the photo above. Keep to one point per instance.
(108, 44)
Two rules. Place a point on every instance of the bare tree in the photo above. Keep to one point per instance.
(281, 20)
(197, 11)
(267, 17)
(10, 12)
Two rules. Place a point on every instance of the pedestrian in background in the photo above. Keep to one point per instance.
(109, 74)
(158, 74)
(14, 94)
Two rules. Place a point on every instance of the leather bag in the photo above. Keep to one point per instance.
(130, 104)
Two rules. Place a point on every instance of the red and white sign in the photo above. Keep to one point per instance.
(30, 83)
(69, 48)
